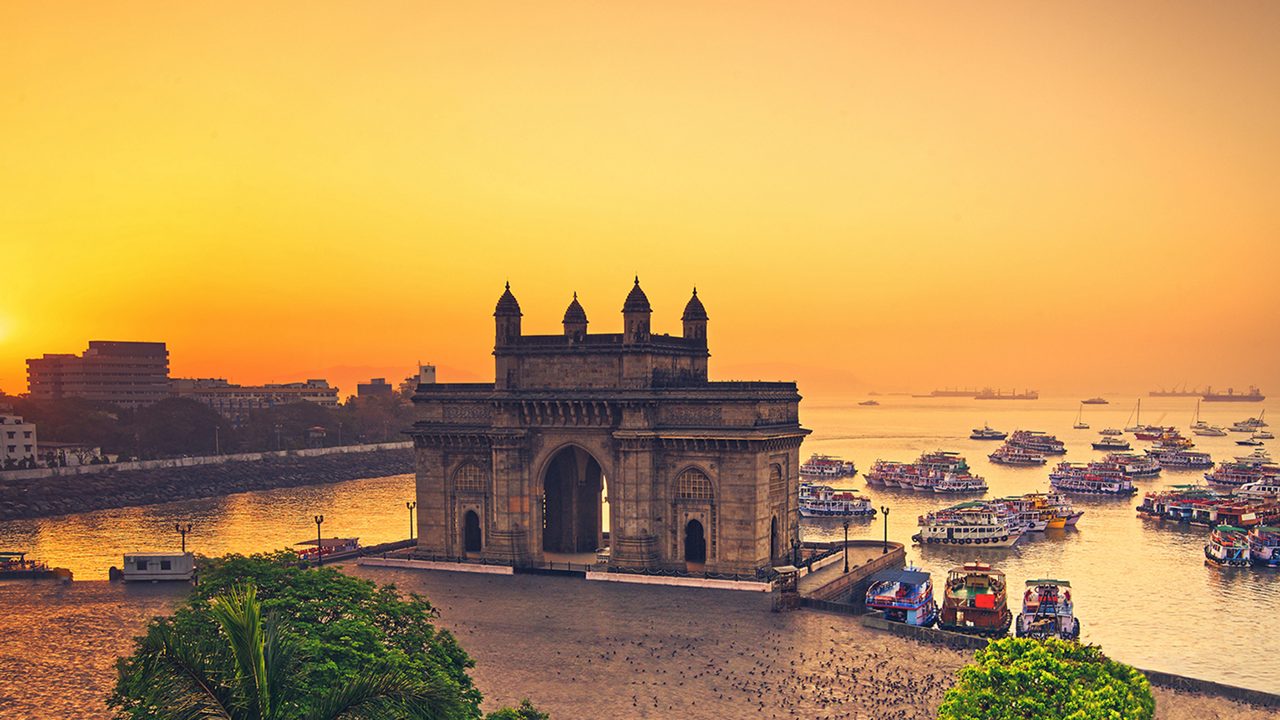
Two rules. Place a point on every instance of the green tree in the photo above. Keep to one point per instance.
(526, 711)
(337, 625)
(246, 675)
(1016, 679)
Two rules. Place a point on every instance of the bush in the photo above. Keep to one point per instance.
(1017, 679)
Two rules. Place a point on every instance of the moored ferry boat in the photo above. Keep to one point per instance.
(825, 501)
(1128, 464)
(1255, 467)
(1037, 441)
(904, 596)
(1047, 611)
(974, 601)
(1095, 401)
(1110, 431)
(827, 467)
(1111, 443)
(1077, 479)
(973, 523)
(14, 565)
(1228, 545)
(986, 432)
(1179, 458)
(1264, 546)
(328, 549)
(963, 483)
(1013, 455)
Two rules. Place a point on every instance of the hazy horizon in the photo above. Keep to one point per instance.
(1071, 198)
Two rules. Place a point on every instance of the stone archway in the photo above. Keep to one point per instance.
(695, 543)
(472, 538)
(572, 502)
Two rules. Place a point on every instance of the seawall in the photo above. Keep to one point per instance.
(97, 487)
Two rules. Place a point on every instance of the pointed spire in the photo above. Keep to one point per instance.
(636, 301)
(507, 304)
(574, 314)
(694, 310)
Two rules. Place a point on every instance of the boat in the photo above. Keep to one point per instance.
(14, 565)
(1210, 431)
(987, 433)
(1262, 489)
(960, 483)
(869, 403)
(1177, 392)
(1245, 469)
(1111, 431)
(156, 567)
(1110, 443)
(825, 501)
(328, 549)
(989, 394)
(1080, 423)
(1047, 611)
(1136, 416)
(1201, 505)
(1079, 479)
(1196, 422)
(1039, 442)
(1228, 546)
(1264, 435)
(1254, 395)
(1014, 455)
(1264, 546)
(827, 467)
(1095, 401)
(972, 523)
(1179, 458)
(1251, 424)
(904, 596)
(952, 392)
(974, 601)
(1152, 433)
(1250, 441)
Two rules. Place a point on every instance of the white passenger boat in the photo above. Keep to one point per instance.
(973, 523)
(825, 501)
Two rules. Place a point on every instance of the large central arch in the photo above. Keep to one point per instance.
(572, 502)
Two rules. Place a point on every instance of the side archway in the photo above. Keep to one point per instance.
(573, 484)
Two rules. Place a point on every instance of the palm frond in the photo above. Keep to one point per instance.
(388, 695)
(240, 616)
(181, 680)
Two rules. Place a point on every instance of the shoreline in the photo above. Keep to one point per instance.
(110, 487)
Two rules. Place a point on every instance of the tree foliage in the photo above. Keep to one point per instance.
(339, 627)
(1018, 679)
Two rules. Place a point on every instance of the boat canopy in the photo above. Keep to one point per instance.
(12, 555)
(329, 542)
(1048, 581)
(904, 577)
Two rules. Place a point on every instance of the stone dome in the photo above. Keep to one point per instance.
(507, 304)
(637, 301)
(574, 314)
(693, 310)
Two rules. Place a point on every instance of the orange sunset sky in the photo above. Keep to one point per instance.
(1070, 196)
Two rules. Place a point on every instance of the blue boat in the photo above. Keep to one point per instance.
(904, 596)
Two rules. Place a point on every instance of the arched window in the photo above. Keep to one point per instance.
(692, 484)
(470, 478)
(777, 483)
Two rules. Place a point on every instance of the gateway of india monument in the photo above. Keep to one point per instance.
(588, 440)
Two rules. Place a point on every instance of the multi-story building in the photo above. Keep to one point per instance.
(17, 441)
(128, 374)
(375, 388)
(236, 401)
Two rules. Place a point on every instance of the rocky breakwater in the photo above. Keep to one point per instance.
(60, 495)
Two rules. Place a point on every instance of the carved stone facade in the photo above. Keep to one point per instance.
(696, 474)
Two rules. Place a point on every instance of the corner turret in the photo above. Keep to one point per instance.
(636, 315)
(695, 320)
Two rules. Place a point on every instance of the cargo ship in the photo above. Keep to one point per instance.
(989, 394)
(1176, 392)
(1254, 395)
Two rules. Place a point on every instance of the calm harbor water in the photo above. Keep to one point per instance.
(1142, 590)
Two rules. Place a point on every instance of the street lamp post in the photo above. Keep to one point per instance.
(846, 546)
(411, 506)
(885, 511)
(183, 529)
(319, 542)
